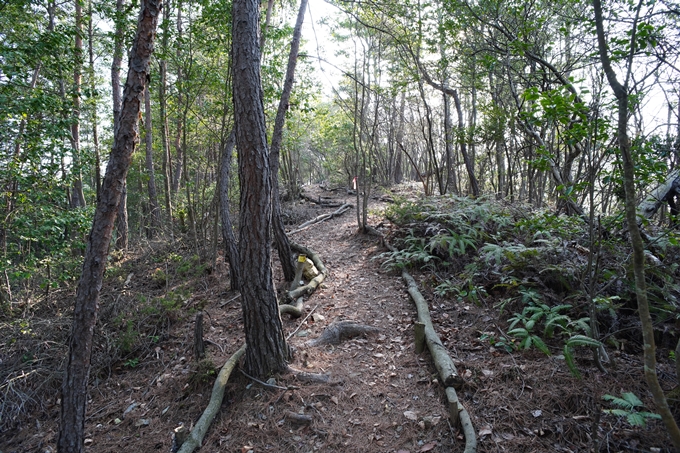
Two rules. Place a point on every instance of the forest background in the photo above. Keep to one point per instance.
(515, 101)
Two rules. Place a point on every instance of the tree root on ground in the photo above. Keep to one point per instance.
(341, 331)
(195, 439)
(316, 281)
(296, 294)
(316, 378)
(295, 310)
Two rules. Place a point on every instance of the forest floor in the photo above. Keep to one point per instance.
(382, 396)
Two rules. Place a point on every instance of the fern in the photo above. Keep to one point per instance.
(627, 406)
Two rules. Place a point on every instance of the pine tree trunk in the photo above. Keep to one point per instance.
(77, 195)
(266, 347)
(95, 134)
(74, 389)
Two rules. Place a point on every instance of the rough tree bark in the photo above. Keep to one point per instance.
(282, 242)
(230, 245)
(266, 351)
(74, 389)
(622, 91)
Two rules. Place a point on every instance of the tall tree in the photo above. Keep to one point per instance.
(116, 63)
(282, 242)
(151, 174)
(74, 389)
(267, 351)
(622, 91)
(78, 196)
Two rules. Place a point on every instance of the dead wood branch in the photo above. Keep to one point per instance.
(460, 418)
(195, 439)
(321, 201)
(440, 355)
(447, 370)
(341, 210)
(341, 331)
(315, 378)
(298, 419)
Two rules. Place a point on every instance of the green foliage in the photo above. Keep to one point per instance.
(131, 363)
(498, 343)
(628, 406)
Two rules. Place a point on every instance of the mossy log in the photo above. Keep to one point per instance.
(195, 439)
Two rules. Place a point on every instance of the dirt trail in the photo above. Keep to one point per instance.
(382, 396)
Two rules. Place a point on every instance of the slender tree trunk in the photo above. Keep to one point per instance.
(93, 118)
(151, 184)
(177, 175)
(621, 91)
(467, 159)
(282, 243)
(230, 244)
(77, 195)
(266, 351)
(122, 217)
(163, 102)
(74, 389)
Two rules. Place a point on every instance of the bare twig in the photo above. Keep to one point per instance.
(302, 322)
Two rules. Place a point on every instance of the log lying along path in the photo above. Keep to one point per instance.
(382, 366)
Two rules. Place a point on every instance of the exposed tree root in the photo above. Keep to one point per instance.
(295, 310)
(316, 281)
(315, 378)
(341, 210)
(195, 439)
(341, 331)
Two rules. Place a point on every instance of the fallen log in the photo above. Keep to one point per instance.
(663, 193)
(447, 370)
(442, 360)
(321, 202)
(323, 217)
(195, 439)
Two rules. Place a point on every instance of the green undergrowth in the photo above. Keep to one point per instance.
(542, 272)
